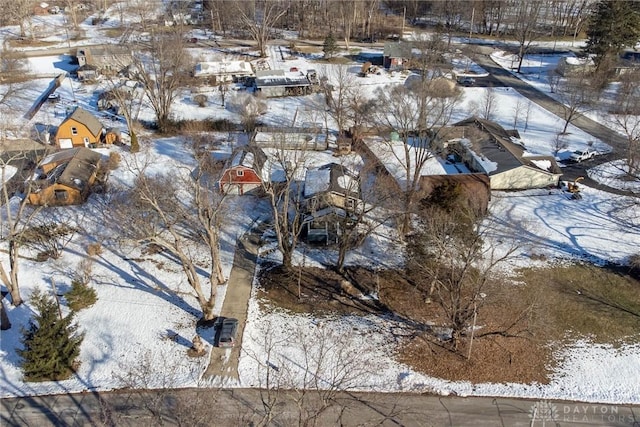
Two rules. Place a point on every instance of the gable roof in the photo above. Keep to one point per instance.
(500, 149)
(397, 49)
(331, 177)
(73, 167)
(84, 117)
(248, 157)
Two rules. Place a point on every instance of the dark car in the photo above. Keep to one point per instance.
(467, 81)
(227, 330)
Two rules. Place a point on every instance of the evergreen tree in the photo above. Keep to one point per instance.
(80, 296)
(330, 47)
(613, 25)
(51, 345)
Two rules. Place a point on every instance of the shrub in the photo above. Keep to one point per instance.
(94, 249)
(51, 344)
(80, 296)
(114, 161)
(200, 99)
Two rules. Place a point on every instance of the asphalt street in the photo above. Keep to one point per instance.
(245, 407)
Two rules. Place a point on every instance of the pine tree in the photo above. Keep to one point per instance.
(613, 25)
(330, 47)
(80, 296)
(51, 345)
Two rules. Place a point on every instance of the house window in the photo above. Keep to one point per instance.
(61, 194)
(85, 140)
(351, 204)
(240, 173)
(74, 131)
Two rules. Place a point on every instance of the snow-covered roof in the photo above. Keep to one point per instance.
(266, 78)
(393, 155)
(222, 68)
(316, 181)
(311, 140)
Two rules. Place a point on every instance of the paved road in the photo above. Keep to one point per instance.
(509, 80)
(245, 407)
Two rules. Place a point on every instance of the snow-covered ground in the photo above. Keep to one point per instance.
(145, 314)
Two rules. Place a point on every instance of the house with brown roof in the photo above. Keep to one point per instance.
(64, 178)
(486, 147)
(79, 129)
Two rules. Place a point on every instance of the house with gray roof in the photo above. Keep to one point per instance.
(486, 147)
(332, 200)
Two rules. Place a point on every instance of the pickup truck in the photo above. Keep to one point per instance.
(582, 155)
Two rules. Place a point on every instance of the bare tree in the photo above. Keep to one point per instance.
(488, 104)
(12, 76)
(558, 143)
(364, 216)
(20, 12)
(329, 367)
(249, 107)
(13, 221)
(340, 88)
(282, 175)
(417, 113)
(313, 385)
(578, 95)
(174, 213)
(162, 71)
(260, 18)
(554, 80)
(127, 99)
(626, 116)
(525, 25)
(148, 389)
(454, 260)
(518, 110)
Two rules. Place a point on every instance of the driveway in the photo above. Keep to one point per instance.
(224, 361)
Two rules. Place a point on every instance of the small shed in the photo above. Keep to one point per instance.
(87, 73)
(243, 173)
(396, 55)
(64, 178)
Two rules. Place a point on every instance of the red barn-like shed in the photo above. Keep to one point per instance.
(242, 174)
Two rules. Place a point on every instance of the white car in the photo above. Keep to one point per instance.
(582, 155)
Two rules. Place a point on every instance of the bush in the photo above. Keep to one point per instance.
(94, 249)
(51, 344)
(201, 100)
(80, 296)
(114, 161)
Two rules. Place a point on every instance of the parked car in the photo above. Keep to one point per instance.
(582, 155)
(467, 81)
(227, 332)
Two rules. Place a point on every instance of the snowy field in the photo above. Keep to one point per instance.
(145, 314)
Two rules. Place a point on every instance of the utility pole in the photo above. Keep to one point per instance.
(473, 13)
(404, 18)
